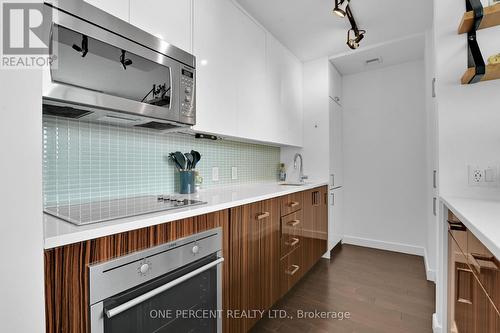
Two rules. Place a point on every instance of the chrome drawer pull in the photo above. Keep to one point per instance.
(292, 242)
(456, 226)
(293, 223)
(294, 269)
(294, 204)
(263, 216)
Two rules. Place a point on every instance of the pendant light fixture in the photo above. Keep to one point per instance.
(354, 35)
(340, 7)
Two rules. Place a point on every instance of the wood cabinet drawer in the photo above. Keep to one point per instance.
(485, 266)
(291, 270)
(474, 272)
(291, 203)
(291, 232)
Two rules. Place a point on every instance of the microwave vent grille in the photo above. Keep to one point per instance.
(64, 111)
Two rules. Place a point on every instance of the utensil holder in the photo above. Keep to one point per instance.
(187, 181)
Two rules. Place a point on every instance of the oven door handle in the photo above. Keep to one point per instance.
(144, 297)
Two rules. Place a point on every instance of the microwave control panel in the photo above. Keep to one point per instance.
(187, 92)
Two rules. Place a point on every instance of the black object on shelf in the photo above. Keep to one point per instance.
(475, 58)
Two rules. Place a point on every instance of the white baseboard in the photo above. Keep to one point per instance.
(436, 326)
(381, 245)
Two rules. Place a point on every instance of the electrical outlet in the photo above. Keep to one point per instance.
(483, 176)
(215, 174)
(234, 173)
(476, 175)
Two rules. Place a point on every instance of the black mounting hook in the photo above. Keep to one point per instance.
(124, 61)
(474, 57)
(84, 49)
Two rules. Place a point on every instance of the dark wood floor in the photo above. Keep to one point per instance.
(383, 291)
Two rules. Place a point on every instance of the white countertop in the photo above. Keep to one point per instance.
(481, 217)
(58, 232)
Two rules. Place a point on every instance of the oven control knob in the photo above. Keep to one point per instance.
(144, 268)
(195, 249)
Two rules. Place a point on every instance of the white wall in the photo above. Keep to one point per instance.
(316, 148)
(469, 115)
(21, 232)
(385, 168)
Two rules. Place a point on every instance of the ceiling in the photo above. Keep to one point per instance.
(310, 30)
(391, 53)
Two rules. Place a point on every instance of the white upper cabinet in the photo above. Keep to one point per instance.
(249, 86)
(118, 8)
(218, 38)
(284, 94)
(336, 135)
(336, 154)
(335, 82)
(170, 20)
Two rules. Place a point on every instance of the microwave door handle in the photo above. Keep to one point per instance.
(172, 92)
(144, 297)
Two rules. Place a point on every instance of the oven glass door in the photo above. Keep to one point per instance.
(92, 64)
(187, 307)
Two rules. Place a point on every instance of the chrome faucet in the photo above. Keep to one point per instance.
(301, 170)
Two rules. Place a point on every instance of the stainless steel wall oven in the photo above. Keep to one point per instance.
(175, 287)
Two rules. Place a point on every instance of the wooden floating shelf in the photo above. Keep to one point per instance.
(492, 73)
(491, 18)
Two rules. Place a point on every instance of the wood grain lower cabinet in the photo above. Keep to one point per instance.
(315, 226)
(263, 259)
(472, 283)
(291, 270)
(255, 245)
(66, 273)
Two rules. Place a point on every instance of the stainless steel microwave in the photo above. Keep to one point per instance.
(107, 70)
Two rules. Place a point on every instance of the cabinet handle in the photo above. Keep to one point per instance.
(333, 199)
(293, 223)
(292, 270)
(294, 204)
(292, 242)
(434, 206)
(263, 216)
(434, 179)
(456, 226)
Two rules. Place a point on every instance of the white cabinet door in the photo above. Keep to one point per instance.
(118, 8)
(230, 54)
(335, 222)
(170, 20)
(335, 82)
(336, 155)
(253, 122)
(284, 85)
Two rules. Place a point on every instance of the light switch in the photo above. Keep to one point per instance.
(490, 175)
(215, 174)
(234, 173)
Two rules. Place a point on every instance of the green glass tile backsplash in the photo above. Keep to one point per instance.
(85, 161)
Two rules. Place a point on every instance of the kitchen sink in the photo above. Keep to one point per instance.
(295, 183)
